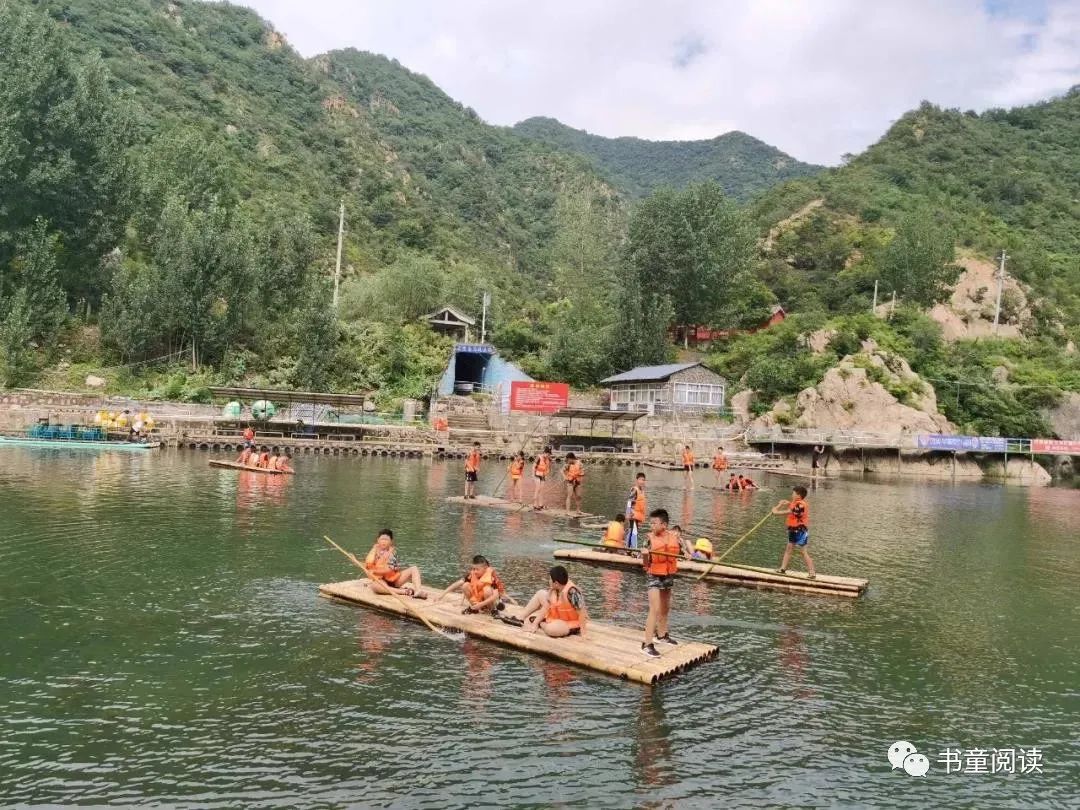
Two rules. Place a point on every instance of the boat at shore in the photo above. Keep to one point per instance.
(76, 443)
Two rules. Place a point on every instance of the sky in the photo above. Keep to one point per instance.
(816, 78)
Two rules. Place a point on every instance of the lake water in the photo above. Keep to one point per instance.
(163, 644)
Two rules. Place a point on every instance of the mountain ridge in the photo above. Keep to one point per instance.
(742, 164)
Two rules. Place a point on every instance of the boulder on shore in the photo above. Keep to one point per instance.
(93, 381)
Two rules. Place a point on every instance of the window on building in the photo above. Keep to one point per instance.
(702, 395)
(636, 397)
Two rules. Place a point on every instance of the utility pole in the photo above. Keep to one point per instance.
(483, 317)
(873, 309)
(1000, 283)
(340, 238)
(892, 309)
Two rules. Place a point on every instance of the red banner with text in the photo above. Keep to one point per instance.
(1063, 447)
(538, 397)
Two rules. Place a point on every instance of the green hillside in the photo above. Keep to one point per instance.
(938, 180)
(217, 135)
(741, 164)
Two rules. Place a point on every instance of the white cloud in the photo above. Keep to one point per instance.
(817, 78)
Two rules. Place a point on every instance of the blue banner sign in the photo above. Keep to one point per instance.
(976, 444)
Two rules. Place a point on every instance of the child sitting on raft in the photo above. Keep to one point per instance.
(481, 587)
(558, 610)
(387, 573)
(615, 534)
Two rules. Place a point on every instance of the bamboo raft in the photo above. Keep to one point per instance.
(662, 465)
(232, 465)
(743, 576)
(489, 502)
(606, 648)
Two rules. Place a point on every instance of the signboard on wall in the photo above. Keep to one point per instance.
(538, 397)
(970, 444)
(1064, 447)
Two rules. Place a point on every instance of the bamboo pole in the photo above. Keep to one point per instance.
(753, 529)
(404, 604)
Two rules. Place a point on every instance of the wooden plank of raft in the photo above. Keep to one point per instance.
(746, 577)
(232, 465)
(489, 502)
(606, 648)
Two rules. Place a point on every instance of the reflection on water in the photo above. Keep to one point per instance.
(163, 645)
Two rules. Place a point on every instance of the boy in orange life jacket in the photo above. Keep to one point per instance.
(635, 512)
(517, 469)
(688, 465)
(387, 573)
(798, 529)
(540, 473)
(719, 464)
(746, 483)
(558, 610)
(733, 484)
(472, 470)
(659, 558)
(615, 534)
(573, 475)
(481, 587)
(283, 461)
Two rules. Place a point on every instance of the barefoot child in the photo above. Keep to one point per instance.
(517, 469)
(688, 465)
(540, 473)
(573, 475)
(387, 573)
(719, 464)
(558, 610)
(635, 511)
(798, 528)
(659, 557)
(472, 470)
(481, 587)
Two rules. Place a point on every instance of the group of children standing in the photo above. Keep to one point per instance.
(573, 475)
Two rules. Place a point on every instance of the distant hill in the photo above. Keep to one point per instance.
(740, 163)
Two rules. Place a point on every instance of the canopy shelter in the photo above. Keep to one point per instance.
(594, 415)
(285, 396)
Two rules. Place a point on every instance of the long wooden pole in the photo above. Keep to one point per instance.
(753, 529)
(408, 608)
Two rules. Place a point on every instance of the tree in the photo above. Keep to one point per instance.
(918, 261)
(64, 135)
(15, 335)
(316, 341)
(689, 247)
(35, 269)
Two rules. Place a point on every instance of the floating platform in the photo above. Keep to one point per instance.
(605, 648)
(489, 502)
(743, 576)
(660, 465)
(77, 444)
(232, 465)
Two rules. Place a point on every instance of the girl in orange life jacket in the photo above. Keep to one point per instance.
(540, 473)
(573, 475)
(517, 469)
(635, 511)
(660, 558)
(688, 465)
(558, 610)
(387, 573)
(472, 470)
(798, 529)
(615, 533)
(481, 586)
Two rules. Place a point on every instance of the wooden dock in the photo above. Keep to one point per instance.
(488, 502)
(605, 648)
(232, 465)
(743, 576)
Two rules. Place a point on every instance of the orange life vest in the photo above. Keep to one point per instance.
(517, 467)
(667, 563)
(264, 459)
(249, 434)
(719, 462)
(798, 513)
(575, 472)
(687, 458)
(378, 563)
(615, 535)
(734, 485)
(475, 585)
(561, 608)
(639, 505)
(472, 463)
(542, 466)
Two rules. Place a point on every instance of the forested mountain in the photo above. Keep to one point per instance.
(937, 182)
(203, 128)
(742, 165)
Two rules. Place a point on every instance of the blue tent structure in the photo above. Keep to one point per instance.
(477, 368)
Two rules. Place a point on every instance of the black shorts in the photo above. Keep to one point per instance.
(663, 582)
(470, 477)
(540, 478)
(687, 467)
(798, 536)
(574, 484)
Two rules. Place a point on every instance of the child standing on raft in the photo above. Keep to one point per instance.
(798, 529)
